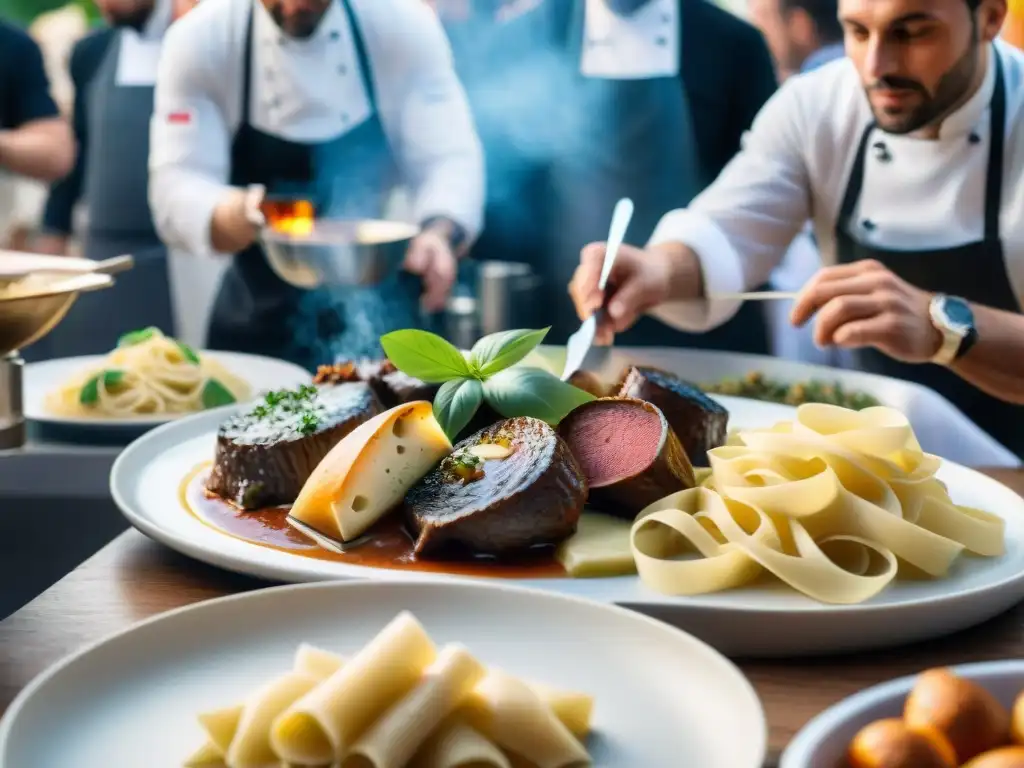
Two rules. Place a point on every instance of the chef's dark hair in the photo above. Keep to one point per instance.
(824, 14)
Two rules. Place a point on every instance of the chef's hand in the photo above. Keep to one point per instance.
(431, 257)
(50, 244)
(237, 219)
(639, 281)
(865, 305)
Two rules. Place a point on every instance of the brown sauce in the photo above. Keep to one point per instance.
(389, 547)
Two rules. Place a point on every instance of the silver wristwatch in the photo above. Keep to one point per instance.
(953, 318)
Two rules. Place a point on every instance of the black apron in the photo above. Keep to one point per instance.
(637, 142)
(975, 271)
(346, 177)
(120, 222)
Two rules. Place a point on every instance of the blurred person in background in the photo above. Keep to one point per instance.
(581, 102)
(908, 156)
(114, 71)
(661, 92)
(334, 102)
(802, 35)
(35, 141)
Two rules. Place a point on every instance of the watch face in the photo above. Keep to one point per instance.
(958, 312)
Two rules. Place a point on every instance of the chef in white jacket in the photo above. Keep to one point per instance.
(337, 101)
(909, 158)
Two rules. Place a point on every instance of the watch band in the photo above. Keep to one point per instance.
(956, 339)
(948, 349)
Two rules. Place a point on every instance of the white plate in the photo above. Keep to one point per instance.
(824, 740)
(261, 373)
(662, 698)
(758, 621)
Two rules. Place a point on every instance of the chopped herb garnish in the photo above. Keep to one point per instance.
(308, 422)
(463, 466)
(300, 407)
(137, 337)
(188, 353)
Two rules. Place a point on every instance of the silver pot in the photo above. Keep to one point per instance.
(507, 299)
(338, 252)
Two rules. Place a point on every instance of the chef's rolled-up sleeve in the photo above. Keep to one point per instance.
(189, 158)
(438, 148)
(741, 226)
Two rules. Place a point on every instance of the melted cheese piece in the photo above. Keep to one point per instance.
(601, 547)
(369, 472)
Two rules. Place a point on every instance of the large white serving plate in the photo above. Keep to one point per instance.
(146, 478)
(261, 373)
(662, 697)
(824, 740)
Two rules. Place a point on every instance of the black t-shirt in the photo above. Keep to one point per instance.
(24, 87)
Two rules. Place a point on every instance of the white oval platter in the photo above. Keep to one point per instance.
(661, 697)
(756, 621)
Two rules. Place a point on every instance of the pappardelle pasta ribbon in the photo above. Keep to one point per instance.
(834, 504)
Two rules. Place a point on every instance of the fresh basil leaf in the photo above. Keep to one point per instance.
(137, 337)
(90, 392)
(504, 349)
(216, 394)
(424, 356)
(188, 353)
(456, 403)
(533, 392)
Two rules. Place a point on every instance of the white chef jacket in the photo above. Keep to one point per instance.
(795, 164)
(308, 90)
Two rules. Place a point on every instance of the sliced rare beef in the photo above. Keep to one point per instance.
(628, 453)
(698, 421)
(503, 490)
(265, 455)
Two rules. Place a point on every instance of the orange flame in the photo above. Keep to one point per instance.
(290, 217)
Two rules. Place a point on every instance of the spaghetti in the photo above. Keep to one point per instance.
(148, 374)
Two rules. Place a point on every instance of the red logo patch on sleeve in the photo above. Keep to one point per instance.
(180, 117)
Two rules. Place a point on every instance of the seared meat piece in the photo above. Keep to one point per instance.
(628, 453)
(391, 386)
(699, 422)
(589, 382)
(265, 455)
(491, 503)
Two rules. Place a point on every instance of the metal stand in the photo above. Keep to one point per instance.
(12, 418)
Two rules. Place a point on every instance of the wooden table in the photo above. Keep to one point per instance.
(134, 578)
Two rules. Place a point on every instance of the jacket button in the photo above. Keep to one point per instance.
(868, 225)
(974, 138)
(335, 34)
(342, 70)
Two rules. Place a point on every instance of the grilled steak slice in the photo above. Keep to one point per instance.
(628, 453)
(698, 421)
(265, 455)
(533, 495)
(391, 386)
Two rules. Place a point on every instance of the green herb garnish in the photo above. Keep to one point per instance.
(216, 394)
(137, 337)
(91, 389)
(309, 422)
(463, 466)
(483, 375)
(188, 353)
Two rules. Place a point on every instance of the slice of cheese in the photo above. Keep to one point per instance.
(600, 547)
(368, 473)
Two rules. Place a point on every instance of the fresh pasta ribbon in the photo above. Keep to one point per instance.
(324, 724)
(398, 703)
(831, 504)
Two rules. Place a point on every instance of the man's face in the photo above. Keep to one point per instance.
(126, 13)
(297, 18)
(918, 59)
(768, 16)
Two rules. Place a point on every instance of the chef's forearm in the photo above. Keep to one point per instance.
(43, 150)
(184, 206)
(995, 364)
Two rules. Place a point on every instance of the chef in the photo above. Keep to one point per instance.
(113, 71)
(665, 90)
(335, 101)
(908, 157)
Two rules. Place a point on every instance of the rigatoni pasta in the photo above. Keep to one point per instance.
(397, 703)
